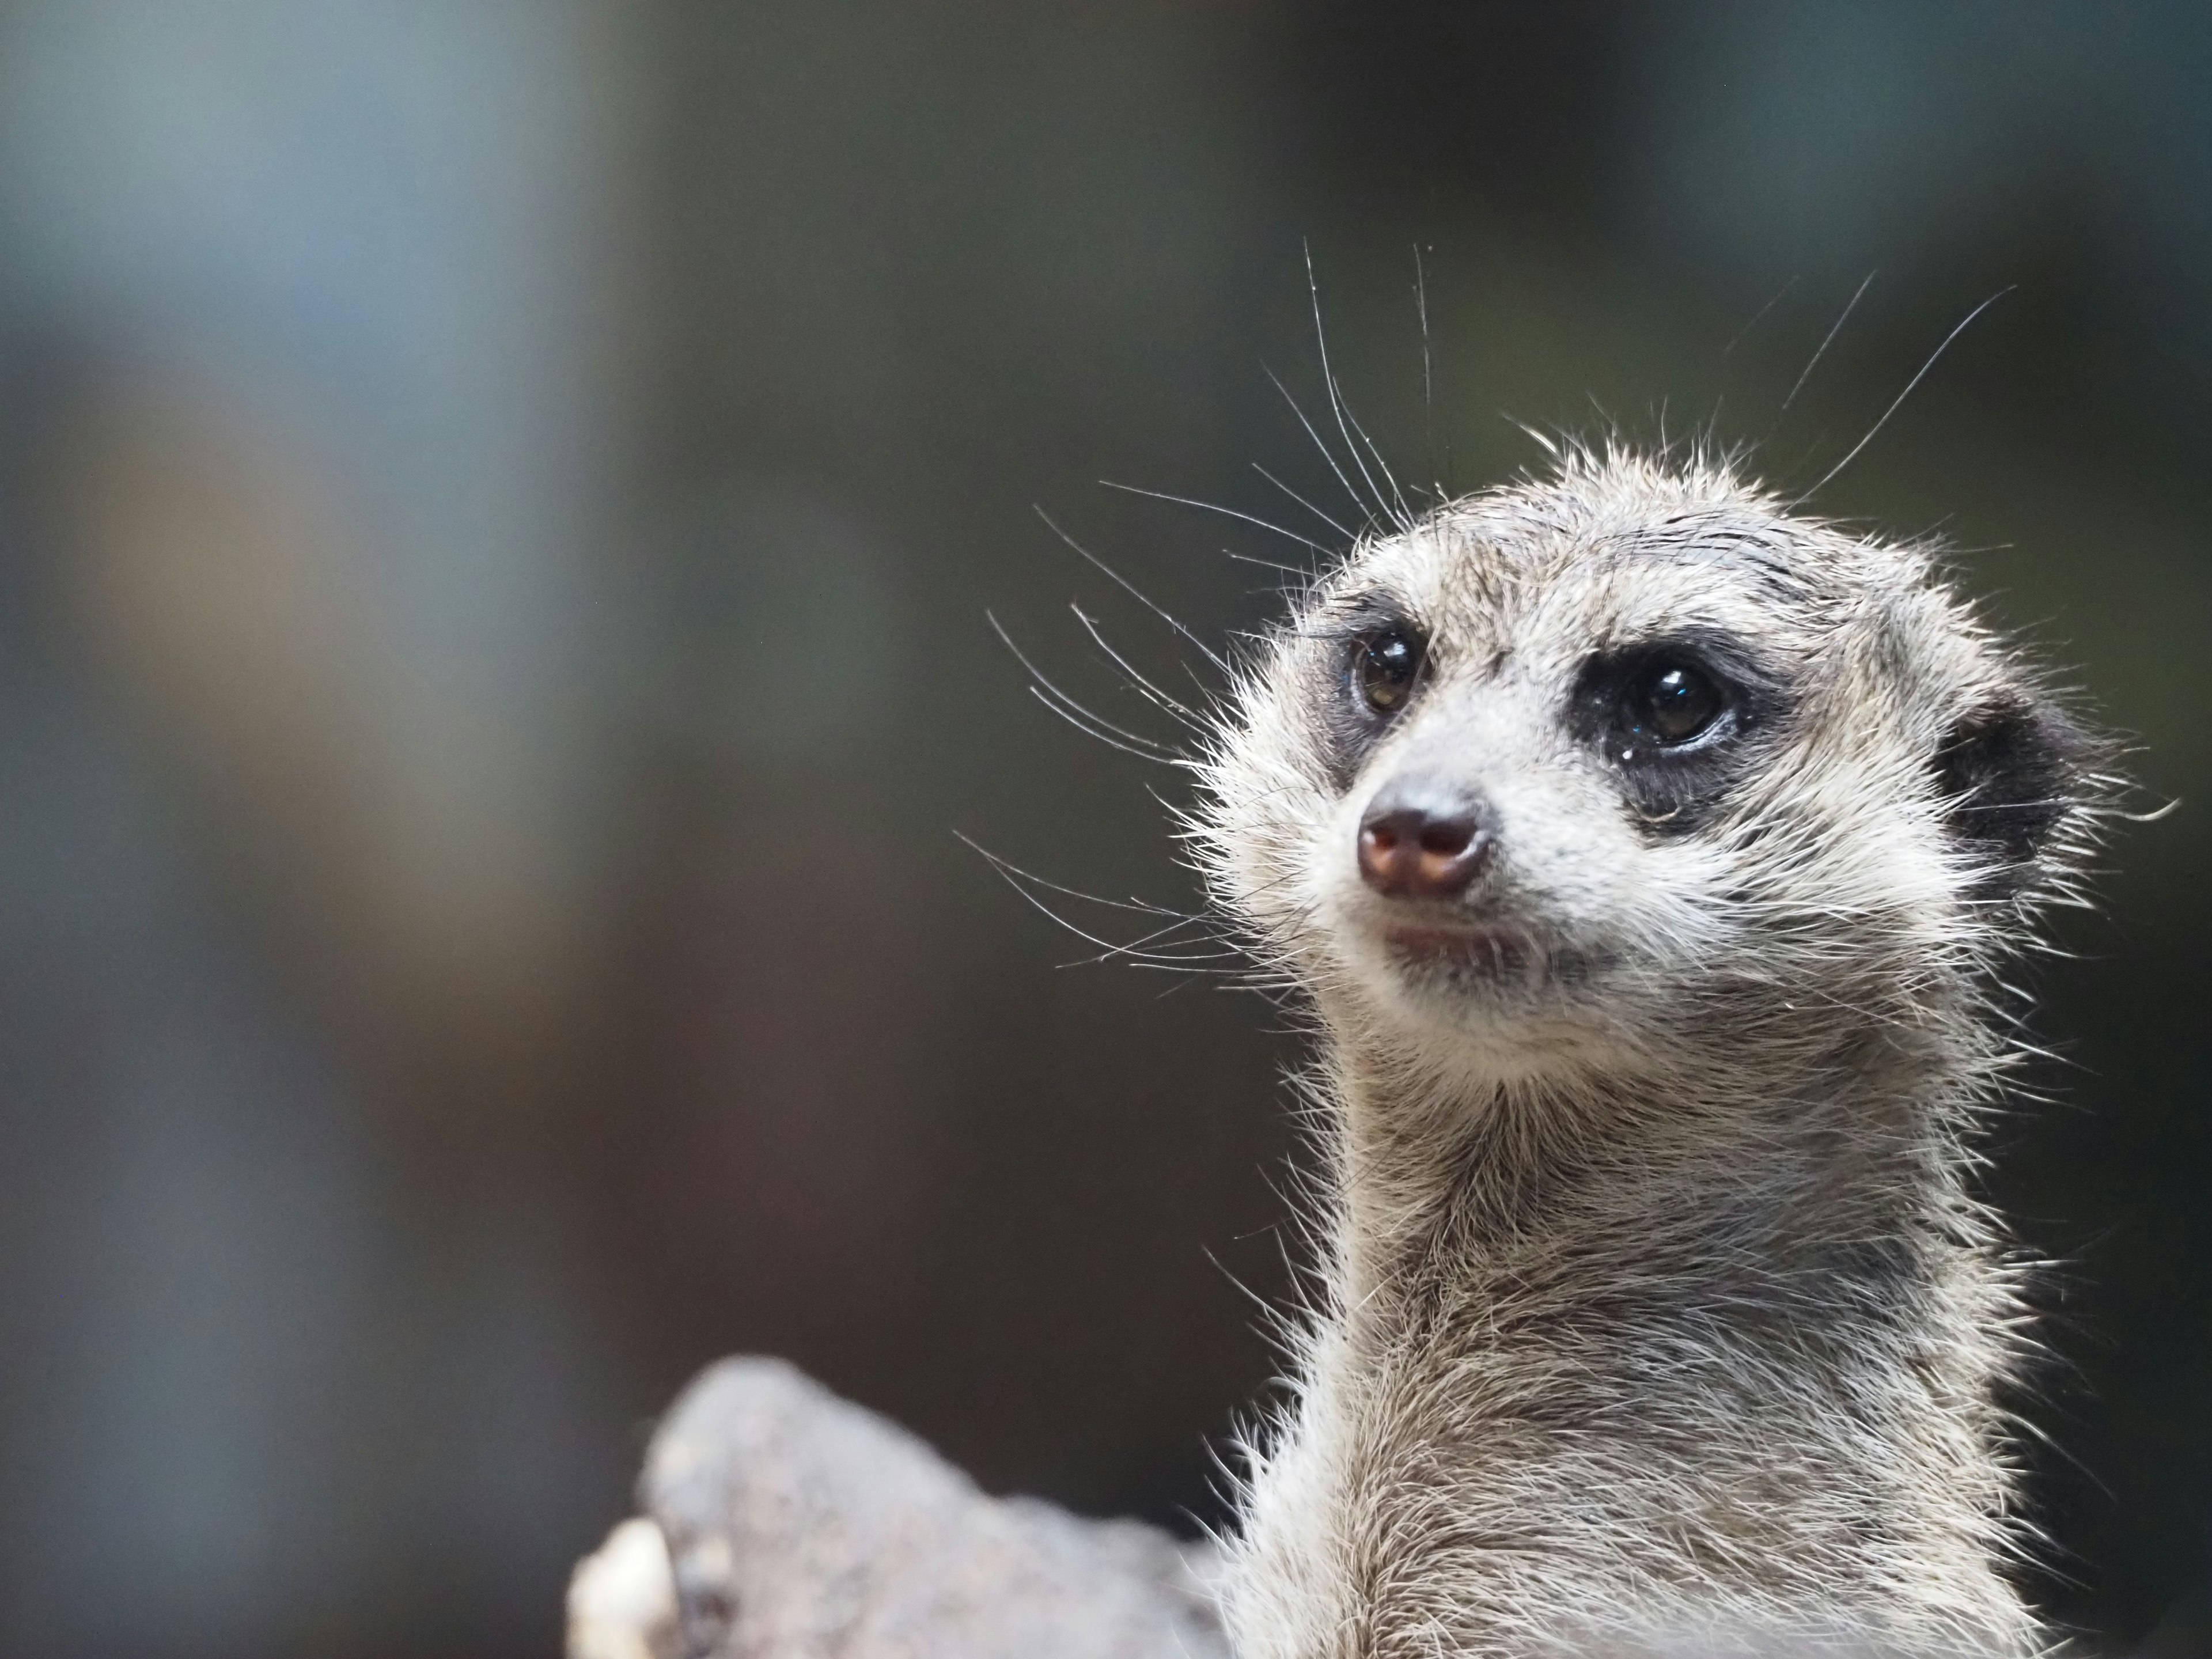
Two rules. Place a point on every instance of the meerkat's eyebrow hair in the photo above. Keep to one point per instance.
(1370, 606)
(1348, 617)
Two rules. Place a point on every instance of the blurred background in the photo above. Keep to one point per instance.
(498, 502)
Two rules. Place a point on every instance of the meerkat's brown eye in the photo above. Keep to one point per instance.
(1673, 703)
(1384, 667)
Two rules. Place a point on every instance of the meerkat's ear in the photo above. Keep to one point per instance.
(2013, 771)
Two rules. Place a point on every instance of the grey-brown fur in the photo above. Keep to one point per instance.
(1654, 1312)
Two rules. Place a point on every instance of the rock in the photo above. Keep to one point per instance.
(799, 1526)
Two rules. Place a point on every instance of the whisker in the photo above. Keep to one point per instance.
(1327, 453)
(1963, 324)
(1107, 949)
(1428, 375)
(1266, 564)
(1188, 962)
(1042, 908)
(1134, 950)
(1160, 750)
(1007, 868)
(1143, 686)
(1344, 423)
(1834, 329)
(1406, 514)
(1130, 588)
(1757, 316)
(1301, 500)
(1213, 507)
(1072, 714)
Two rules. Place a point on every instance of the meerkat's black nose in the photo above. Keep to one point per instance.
(1423, 839)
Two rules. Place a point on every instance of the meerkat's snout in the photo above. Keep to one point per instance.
(1423, 838)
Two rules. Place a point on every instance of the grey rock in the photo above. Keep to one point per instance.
(801, 1525)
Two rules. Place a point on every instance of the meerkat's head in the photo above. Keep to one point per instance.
(1604, 766)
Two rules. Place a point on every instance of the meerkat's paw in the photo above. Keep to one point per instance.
(622, 1601)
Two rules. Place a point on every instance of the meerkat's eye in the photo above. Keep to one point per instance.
(1673, 703)
(1668, 717)
(1384, 667)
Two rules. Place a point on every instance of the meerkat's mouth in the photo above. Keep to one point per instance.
(1465, 948)
(1448, 952)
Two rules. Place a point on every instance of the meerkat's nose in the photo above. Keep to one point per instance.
(1423, 839)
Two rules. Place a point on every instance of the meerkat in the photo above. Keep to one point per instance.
(1647, 855)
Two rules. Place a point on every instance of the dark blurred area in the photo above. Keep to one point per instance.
(498, 503)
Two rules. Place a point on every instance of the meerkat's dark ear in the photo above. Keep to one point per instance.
(2012, 770)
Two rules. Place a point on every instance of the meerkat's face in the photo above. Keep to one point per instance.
(1581, 767)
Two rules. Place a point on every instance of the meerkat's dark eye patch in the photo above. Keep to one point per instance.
(2010, 771)
(1378, 657)
(1669, 716)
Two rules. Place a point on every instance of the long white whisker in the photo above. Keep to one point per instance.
(1267, 564)
(1428, 375)
(1213, 507)
(1963, 325)
(1327, 453)
(1821, 350)
(1758, 316)
(1143, 686)
(1344, 424)
(1006, 867)
(1130, 588)
(1160, 750)
(1076, 716)
(1303, 502)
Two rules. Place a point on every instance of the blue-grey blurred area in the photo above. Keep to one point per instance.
(498, 506)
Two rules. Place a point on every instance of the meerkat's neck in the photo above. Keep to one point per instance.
(1748, 1168)
(1703, 1357)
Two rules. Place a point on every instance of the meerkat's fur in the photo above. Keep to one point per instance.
(1655, 1313)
